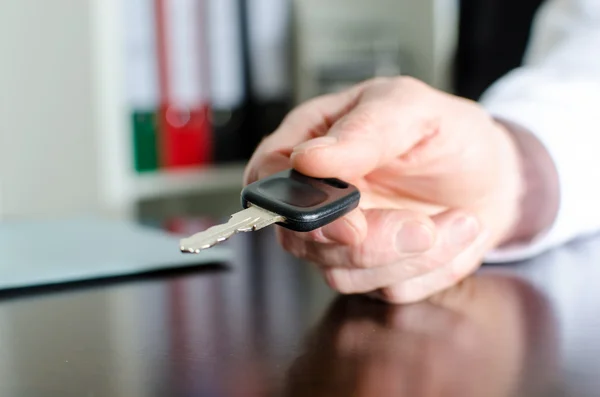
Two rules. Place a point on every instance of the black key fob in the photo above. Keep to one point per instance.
(306, 203)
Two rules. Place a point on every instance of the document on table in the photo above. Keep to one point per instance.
(34, 253)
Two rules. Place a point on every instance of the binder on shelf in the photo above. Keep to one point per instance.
(229, 113)
(269, 32)
(267, 25)
(144, 125)
(184, 132)
(142, 81)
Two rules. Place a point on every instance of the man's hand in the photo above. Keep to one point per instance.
(441, 183)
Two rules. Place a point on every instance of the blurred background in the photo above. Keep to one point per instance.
(149, 109)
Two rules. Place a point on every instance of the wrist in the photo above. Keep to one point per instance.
(538, 204)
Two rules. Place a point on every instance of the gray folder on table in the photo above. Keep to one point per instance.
(56, 251)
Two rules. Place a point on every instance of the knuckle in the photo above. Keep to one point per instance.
(334, 281)
(290, 243)
(297, 112)
(313, 102)
(380, 80)
(269, 146)
(307, 107)
(394, 294)
(340, 280)
(410, 82)
(360, 123)
(426, 264)
(362, 257)
(316, 236)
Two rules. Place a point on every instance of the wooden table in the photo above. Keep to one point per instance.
(267, 325)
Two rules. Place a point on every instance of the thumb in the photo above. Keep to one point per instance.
(381, 127)
(395, 235)
(461, 241)
(388, 235)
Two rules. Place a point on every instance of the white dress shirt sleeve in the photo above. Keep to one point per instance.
(556, 96)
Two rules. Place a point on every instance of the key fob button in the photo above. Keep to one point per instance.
(292, 192)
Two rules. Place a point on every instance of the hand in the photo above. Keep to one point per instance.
(441, 183)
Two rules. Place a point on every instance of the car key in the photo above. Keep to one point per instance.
(288, 198)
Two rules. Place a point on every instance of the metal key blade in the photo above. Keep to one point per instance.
(249, 219)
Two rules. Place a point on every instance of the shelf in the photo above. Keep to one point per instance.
(185, 182)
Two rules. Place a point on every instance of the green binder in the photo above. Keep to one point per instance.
(145, 141)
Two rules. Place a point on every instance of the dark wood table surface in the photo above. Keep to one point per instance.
(267, 325)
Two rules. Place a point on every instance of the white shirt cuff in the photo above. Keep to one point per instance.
(566, 132)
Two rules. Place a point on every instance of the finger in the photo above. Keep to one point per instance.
(426, 286)
(385, 124)
(315, 117)
(290, 242)
(350, 230)
(386, 236)
(397, 235)
(309, 120)
(265, 165)
(456, 231)
(391, 235)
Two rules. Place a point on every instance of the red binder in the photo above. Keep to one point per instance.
(185, 136)
(184, 127)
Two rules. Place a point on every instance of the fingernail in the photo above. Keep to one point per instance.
(464, 230)
(413, 237)
(323, 141)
